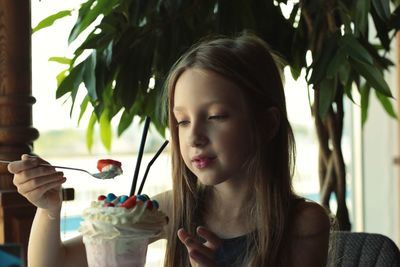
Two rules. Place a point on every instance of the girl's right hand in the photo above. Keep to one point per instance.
(201, 254)
(41, 185)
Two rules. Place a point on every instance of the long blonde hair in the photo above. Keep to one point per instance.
(247, 61)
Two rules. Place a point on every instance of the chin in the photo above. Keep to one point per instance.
(210, 181)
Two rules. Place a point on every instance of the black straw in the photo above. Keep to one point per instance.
(149, 165)
(140, 155)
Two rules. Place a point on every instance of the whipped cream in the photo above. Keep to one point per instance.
(109, 218)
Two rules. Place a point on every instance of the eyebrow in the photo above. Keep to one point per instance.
(215, 102)
(178, 109)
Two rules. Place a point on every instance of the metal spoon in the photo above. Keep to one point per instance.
(111, 173)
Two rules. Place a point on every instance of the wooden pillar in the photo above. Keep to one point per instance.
(16, 131)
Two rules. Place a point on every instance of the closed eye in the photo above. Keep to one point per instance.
(182, 123)
(217, 117)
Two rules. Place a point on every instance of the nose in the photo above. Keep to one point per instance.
(197, 136)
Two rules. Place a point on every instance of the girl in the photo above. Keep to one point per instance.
(232, 202)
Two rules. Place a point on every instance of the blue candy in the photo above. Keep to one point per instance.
(155, 204)
(123, 198)
(143, 197)
(111, 197)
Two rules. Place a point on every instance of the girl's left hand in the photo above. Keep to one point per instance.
(201, 254)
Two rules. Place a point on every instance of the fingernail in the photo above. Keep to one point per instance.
(32, 158)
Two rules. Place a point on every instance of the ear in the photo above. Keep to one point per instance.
(274, 121)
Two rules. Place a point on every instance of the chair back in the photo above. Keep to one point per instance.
(353, 249)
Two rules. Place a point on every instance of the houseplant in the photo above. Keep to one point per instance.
(124, 60)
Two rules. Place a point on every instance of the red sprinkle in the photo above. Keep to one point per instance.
(101, 197)
(149, 204)
(109, 204)
(129, 203)
(101, 163)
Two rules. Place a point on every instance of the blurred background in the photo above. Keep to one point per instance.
(373, 183)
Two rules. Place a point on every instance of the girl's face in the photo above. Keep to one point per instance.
(213, 127)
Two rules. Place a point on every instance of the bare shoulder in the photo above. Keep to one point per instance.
(164, 199)
(165, 202)
(310, 219)
(310, 240)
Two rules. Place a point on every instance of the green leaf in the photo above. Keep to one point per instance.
(294, 13)
(386, 104)
(125, 121)
(71, 82)
(84, 105)
(61, 60)
(354, 49)
(98, 41)
(107, 95)
(335, 64)
(364, 92)
(61, 76)
(380, 59)
(382, 7)
(348, 91)
(344, 72)
(361, 12)
(89, 77)
(394, 21)
(382, 30)
(327, 89)
(373, 76)
(51, 19)
(105, 129)
(347, 20)
(295, 71)
(90, 131)
(88, 13)
(320, 65)
(127, 79)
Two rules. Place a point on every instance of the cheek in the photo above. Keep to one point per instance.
(183, 148)
(237, 143)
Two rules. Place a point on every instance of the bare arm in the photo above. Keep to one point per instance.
(42, 187)
(165, 201)
(310, 236)
(45, 246)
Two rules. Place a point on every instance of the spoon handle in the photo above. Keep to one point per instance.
(54, 166)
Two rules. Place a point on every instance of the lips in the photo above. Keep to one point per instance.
(201, 162)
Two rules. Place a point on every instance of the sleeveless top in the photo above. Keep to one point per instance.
(231, 251)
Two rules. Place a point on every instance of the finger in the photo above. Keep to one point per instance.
(212, 240)
(26, 162)
(41, 161)
(194, 245)
(33, 184)
(40, 191)
(33, 173)
(182, 234)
